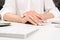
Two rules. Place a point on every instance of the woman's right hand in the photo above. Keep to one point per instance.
(31, 16)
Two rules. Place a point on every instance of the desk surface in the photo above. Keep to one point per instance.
(48, 32)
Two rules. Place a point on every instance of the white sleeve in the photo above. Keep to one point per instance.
(50, 6)
(9, 6)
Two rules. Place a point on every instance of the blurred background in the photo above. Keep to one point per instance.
(57, 3)
(1, 3)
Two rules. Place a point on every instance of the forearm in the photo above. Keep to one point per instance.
(46, 16)
(12, 17)
(49, 15)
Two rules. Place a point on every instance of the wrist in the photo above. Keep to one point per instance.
(49, 15)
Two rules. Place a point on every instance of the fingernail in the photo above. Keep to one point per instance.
(41, 24)
(35, 24)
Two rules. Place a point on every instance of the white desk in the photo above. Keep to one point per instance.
(48, 32)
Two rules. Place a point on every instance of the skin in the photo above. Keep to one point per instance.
(37, 19)
(31, 16)
(14, 18)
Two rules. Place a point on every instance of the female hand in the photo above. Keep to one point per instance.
(33, 17)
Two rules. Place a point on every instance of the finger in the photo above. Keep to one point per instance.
(36, 14)
(42, 24)
(24, 20)
(35, 19)
(32, 16)
(31, 21)
(28, 19)
(40, 16)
